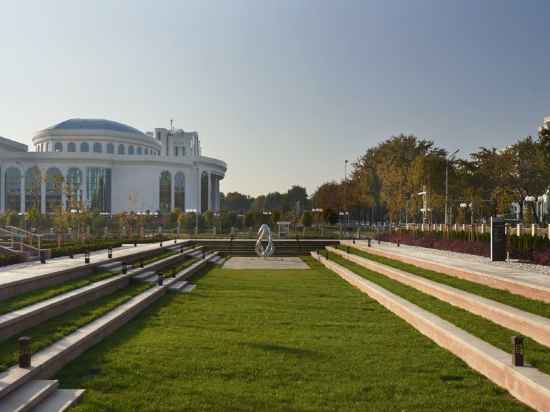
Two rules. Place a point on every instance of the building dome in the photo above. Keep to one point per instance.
(94, 124)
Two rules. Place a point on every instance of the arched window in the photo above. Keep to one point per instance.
(110, 148)
(204, 192)
(130, 150)
(58, 147)
(98, 148)
(13, 189)
(121, 149)
(33, 192)
(165, 192)
(54, 186)
(74, 188)
(84, 147)
(179, 191)
(139, 150)
(71, 147)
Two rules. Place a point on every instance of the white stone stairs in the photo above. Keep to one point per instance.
(40, 396)
(21, 383)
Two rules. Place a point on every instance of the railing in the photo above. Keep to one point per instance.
(20, 240)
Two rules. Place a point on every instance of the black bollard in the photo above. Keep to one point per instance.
(42, 256)
(141, 264)
(87, 257)
(517, 351)
(160, 279)
(368, 242)
(24, 352)
(181, 249)
(110, 253)
(124, 268)
(398, 242)
(135, 244)
(347, 250)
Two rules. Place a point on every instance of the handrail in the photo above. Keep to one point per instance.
(26, 232)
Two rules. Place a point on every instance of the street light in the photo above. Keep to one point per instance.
(450, 157)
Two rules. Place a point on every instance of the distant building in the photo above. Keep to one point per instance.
(109, 167)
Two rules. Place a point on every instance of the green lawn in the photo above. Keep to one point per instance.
(288, 340)
(29, 298)
(536, 354)
(56, 328)
(534, 306)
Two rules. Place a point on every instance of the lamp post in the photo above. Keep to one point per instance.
(450, 157)
(345, 186)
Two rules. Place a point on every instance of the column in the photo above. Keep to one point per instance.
(43, 192)
(2, 190)
(209, 191)
(22, 207)
(198, 183)
(172, 191)
(217, 194)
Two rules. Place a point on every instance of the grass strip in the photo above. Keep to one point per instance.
(529, 305)
(155, 258)
(35, 296)
(535, 353)
(276, 340)
(54, 329)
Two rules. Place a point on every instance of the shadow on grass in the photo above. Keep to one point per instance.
(269, 347)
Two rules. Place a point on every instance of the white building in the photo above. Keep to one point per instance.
(109, 167)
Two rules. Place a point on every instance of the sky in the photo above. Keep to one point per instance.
(283, 90)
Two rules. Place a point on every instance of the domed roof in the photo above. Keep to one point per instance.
(94, 124)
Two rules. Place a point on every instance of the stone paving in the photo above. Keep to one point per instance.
(510, 271)
(29, 270)
(243, 262)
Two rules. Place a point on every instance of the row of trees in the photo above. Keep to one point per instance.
(386, 181)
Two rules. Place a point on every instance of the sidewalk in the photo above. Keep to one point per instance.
(35, 269)
(513, 276)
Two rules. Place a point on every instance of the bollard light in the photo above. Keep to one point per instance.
(71, 255)
(175, 241)
(347, 250)
(141, 265)
(124, 268)
(517, 350)
(110, 252)
(135, 244)
(353, 241)
(24, 343)
(317, 252)
(87, 257)
(160, 279)
(161, 243)
(368, 242)
(42, 257)
(181, 249)
(204, 253)
(398, 242)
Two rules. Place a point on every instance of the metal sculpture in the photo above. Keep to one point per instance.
(260, 249)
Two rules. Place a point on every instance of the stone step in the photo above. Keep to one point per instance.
(188, 288)
(527, 384)
(28, 396)
(144, 275)
(110, 265)
(51, 359)
(534, 326)
(178, 286)
(60, 401)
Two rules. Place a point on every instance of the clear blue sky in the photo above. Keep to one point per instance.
(283, 90)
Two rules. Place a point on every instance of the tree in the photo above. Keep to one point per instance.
(307, 219)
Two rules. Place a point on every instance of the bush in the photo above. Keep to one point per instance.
(10, 259)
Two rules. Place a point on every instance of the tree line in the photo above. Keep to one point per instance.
(386, 182)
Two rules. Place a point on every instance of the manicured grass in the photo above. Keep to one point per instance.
(26, 299)
(534, 306)
(163, 255)
(535, 353)
(54, 329)
(277, 340)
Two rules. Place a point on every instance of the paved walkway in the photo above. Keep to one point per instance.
(265, 263)
(29, 270)
(510, 271)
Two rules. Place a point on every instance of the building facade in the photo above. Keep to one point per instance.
(109, 167)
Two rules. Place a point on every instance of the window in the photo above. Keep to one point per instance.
(54, 185)
(13, 189)
(74, 188)
(146, 151)
(84, 147)
(204, 192)
(98, 148)
(71, 147)
(110, 148)
(98, 186)
(179, 191)
(130, 150)
(33, 192)
(139, 150)
(58, 147)
(121, 149)
(176, 153)
(183, 150)
(165, 192)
